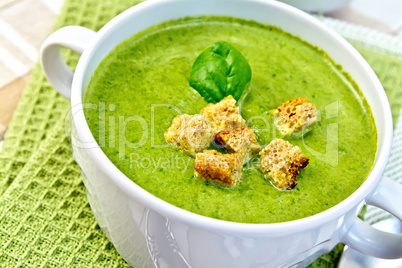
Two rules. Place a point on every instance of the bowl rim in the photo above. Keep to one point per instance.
(132, 190)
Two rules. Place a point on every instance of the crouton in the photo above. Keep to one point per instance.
(281, 162)
(239, 140)
(294, 116)
(190, 133)
(224, 114)
(218, 168)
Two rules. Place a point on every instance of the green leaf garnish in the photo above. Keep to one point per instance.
(219, 71)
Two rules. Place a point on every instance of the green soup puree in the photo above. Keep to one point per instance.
(143, 84)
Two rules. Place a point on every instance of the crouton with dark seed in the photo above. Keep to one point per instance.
(281, 162)
(218, 168)
(239, 140)
(224, 114)
(190, 133)
(294, 116)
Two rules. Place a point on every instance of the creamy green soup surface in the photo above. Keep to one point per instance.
(143, 83)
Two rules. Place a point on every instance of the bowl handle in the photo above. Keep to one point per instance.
(368, 240)
(56, 70)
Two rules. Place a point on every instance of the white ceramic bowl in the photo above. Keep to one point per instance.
(146, 230)
(317, 5)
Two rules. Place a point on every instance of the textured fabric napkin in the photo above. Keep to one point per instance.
(45, 218)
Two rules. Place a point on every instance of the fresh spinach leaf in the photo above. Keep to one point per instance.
(219, 71)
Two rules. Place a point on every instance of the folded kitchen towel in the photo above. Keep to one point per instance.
(45, 219)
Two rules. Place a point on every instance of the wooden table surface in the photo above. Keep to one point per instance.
(24, 24)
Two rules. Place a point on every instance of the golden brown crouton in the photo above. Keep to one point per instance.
(239, 140)
(222, 169)
(223, 115)
(295, 115)
(281, 163)
(190, 133)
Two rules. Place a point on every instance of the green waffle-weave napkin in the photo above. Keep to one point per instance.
(45, 219)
